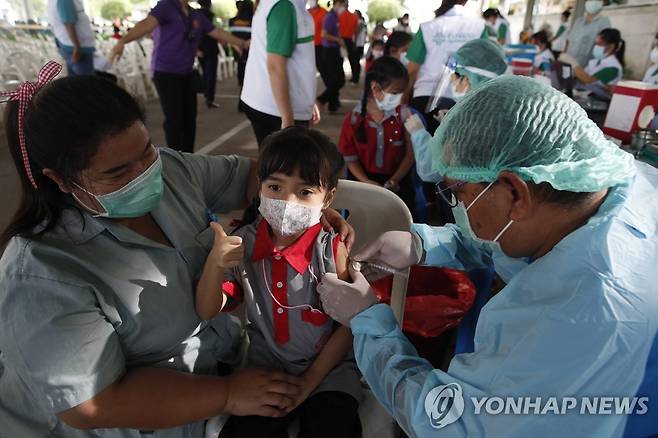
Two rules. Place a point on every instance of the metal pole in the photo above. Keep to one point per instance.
(28, 10)
(579, 10)
(529, 12)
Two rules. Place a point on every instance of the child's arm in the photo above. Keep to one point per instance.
(227, 252)
(356, 169)
(336, 347)
(406, 164)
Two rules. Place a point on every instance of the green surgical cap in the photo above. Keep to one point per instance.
(482, 54)
(518, 124)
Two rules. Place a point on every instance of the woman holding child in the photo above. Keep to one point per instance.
(99, 330)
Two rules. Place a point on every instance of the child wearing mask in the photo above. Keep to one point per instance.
(397, 45)
(375, 51)
(273, 266)
(373, 139)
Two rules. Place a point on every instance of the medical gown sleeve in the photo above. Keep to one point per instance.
(421, 141)
(447, 247)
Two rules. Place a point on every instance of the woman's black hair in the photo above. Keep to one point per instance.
(298, 149)
(384, 71)
(542, 38)
(245, 10)
(446, 5)
(491, 12)
(613, 36)
(64, 125)
(397, 40)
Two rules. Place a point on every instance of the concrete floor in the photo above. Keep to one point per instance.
(219, 131)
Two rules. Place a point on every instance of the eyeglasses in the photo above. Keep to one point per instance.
(446, 193)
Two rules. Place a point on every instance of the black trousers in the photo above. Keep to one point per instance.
(178, 102)
(329, 414)
(333, 76)
(318, 58)
(265, 124)
(209, 64)
(355, 66)
(242, 66)
(358, 54)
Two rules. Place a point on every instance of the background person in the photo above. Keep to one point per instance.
(332, 59)
(240, 26)
(582, 36)
(209, 51)
(397, 46)
(348, 26)
(497, 26)
(177, 30)
(318, 13)
(282, 50)
(74, 35)
(559, 42)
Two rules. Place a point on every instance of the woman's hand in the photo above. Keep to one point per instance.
(315, 116)
(115, 53)
(305, 389)
(332, 220)
(227, 251)
(261, 392)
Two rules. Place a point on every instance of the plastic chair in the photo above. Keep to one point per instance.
(372, 211)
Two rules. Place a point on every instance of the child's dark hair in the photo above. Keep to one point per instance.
(384, 71)
(307, 151)
(64, 125)
(446, 5)
(298, 149)
(613, 36)
(542, 38)
(397, 40)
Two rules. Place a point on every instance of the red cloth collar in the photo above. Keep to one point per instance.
(298, 254)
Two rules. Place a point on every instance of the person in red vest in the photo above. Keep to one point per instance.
(318, 13)
(348, 26)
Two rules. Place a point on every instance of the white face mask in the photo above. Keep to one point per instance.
(453, 88)
(460, 213)
(288, 218)
(593, 7)
(403, 59)
(389, 102)
(653, 56)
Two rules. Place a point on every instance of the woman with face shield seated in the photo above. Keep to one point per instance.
(568, 221)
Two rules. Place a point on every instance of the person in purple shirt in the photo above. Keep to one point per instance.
(331, 67)
(177, 30)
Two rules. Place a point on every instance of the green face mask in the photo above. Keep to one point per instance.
(135, 199)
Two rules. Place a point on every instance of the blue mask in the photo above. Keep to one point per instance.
(598, 52)
(137, 198)
(460, 213)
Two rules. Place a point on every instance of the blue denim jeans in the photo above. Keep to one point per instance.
(84, 66)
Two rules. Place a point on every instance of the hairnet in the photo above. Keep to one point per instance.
(481, 54)
(517, 124)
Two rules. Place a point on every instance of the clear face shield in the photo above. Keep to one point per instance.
(450, 76)
(442, 89)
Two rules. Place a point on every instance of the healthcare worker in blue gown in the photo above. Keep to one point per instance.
(569, 221)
